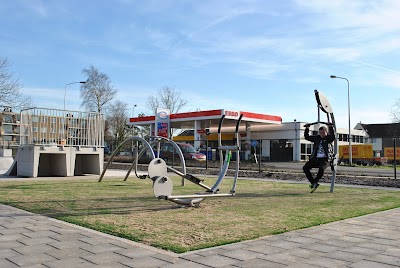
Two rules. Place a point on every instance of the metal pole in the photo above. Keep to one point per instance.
(65, 89)
(394, 158)
(348, 105)
(259, 156)
(206, 154)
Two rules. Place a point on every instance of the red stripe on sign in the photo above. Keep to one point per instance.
(142, 119)
(262, 116)
(196, 114)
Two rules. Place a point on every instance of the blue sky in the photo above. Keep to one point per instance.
(260, 56)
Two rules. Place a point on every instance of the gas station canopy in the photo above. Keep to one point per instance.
(210, 119)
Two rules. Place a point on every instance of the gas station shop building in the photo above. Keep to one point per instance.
(278, 141)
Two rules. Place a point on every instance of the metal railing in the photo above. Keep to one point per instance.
(42, 126)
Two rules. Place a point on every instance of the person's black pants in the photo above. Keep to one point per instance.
(320, 163)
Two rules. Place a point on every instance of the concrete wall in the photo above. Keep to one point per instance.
(34, 161)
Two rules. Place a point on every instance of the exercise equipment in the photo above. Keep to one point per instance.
(158, 168)
(325, 107)
(163, 185)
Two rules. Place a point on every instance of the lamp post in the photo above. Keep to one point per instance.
(65, 89)
(133, 110)
(348, 107)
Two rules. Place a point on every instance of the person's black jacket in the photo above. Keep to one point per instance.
(317, 138)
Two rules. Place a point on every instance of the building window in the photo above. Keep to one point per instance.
(35, 119)
(44, 119)
(53, 120)
(43, 129)
(7, 129)
(35, 129)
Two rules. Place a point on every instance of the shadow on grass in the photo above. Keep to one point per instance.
(65, 208)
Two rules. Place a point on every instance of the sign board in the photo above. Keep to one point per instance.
(201, 131)
(254, 143)
(388, 152)
(162, 122)
(231, 114)
(358, 151)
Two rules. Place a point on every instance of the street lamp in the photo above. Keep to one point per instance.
(348, 107)
(133, 115)
(133, 110)
(65, 89)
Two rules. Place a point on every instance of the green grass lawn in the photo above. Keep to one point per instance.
(129, 209)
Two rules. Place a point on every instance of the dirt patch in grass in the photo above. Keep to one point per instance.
(129, 209)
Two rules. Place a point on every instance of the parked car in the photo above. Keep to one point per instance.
(125, 154)
(189, 153)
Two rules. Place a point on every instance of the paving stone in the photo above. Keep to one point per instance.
(210, 252)
(301, 265)
(5, 253)
(265, 249)
(322, 261)
(338, 243)
(31, 259)
(242, 255)
(185, 264)
(389, 251)
(362, 251)
(112, 265)
(305, 253)
(345, 256)
(68, 253)
(106, 257)
(302, 240)
(73, 262)
(11, 237)
(32, 250)
(145, 262)
(36, 241)
(10, 244)
(213, 261)
(386, 259)
(369, 264)
(259, 263)
(285, 244)
(95, 240)
(68, 244)
(283, 258)
(100, 248)
(136, 253)
(9, 231)
(321, 247)
(37, 234)
(67, 236)
(4, 263)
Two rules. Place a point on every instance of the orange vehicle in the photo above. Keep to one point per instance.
(362, 154)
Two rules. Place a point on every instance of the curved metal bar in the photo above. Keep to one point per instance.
(135, 162)
(177, 148)
(145, 143)
(221, 156)
(335, 151)
(224, 169)
(187, 202)
(237, 154)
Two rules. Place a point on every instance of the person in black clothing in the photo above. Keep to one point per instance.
(320, 155)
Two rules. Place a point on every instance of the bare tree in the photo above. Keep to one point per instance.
(167, 98)
(10, 88)
(118, 118)
(395, 111)
(97, 92)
